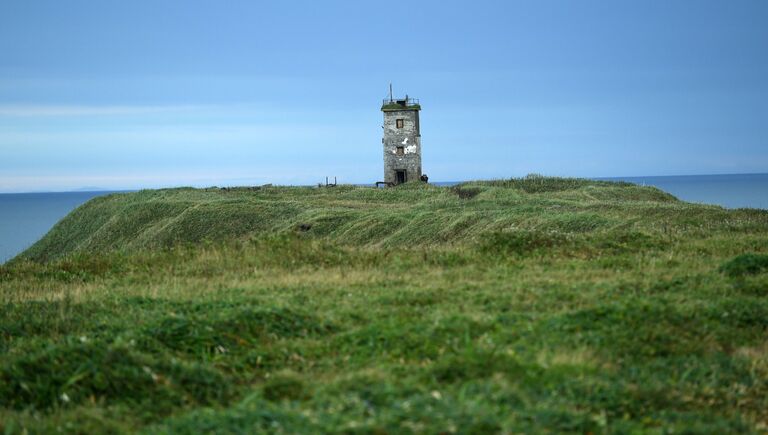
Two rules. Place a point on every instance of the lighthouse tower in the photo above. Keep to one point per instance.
(402, 140)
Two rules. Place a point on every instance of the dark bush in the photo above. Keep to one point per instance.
(745, 264)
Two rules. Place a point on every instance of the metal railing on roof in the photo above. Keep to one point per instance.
(405, 102)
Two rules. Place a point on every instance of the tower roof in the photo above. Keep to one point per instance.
(395, 104)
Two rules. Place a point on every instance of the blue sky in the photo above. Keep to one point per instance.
(132, 94)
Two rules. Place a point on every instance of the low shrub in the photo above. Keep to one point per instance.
(745, 264)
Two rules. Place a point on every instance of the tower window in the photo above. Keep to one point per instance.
(399, 123)
(400, 151)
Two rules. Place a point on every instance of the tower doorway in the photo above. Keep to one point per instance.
(400, 176)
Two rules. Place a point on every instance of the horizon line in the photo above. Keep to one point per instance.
(90, 189)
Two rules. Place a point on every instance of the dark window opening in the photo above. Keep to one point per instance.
(400, 151)
(399, 123)
(400, 177)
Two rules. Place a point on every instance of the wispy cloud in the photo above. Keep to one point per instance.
(197, 177)
(81, 110)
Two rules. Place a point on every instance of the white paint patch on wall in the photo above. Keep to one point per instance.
(406, 150)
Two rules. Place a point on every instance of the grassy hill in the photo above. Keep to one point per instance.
(524, 305)
(410, 216)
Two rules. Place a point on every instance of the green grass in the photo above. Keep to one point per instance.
(521, 306)
(395, 107)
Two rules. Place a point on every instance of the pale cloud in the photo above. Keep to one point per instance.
(252, 174)
(82, 110)
(127, 181)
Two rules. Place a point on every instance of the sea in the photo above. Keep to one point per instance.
(26, 217)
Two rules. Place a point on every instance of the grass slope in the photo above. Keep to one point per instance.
(415, 215)
(525, 305)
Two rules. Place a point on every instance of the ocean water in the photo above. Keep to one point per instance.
(730, 191)
(26, 217)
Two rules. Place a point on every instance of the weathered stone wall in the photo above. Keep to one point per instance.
(408, 137)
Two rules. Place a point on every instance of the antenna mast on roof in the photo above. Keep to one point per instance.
(390, 92)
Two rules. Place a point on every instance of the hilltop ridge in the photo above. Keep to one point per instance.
(412, 215)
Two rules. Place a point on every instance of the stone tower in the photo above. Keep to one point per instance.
(402, 140)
